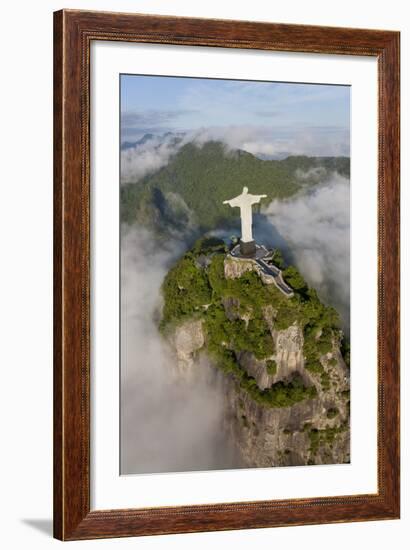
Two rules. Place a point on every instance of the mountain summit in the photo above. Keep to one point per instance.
(190, 189)
(279, 355)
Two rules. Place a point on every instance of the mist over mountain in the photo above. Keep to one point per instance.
(187, 183)
(227, 361)
(305, 214)
(152, 139)
(171, 193)
(166, 424)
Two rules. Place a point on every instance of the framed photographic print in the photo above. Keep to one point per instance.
(226, 288)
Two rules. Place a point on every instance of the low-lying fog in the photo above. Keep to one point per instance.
(169, 426)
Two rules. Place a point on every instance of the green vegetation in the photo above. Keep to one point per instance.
(167, 197)
(186, 289)
(271, 367)
(332, 412)
(207, 245)
(326, 436)
(295, 279)
(237, 314)
(280, 394)
(319, 339)
(278, 260)
(325, 381)
(314, 367)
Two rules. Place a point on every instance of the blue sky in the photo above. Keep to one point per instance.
(283, 111)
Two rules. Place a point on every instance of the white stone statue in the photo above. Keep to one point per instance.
(244, 201)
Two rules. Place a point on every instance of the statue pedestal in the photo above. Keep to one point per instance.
(248, 248)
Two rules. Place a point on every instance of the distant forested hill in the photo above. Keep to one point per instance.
(190, 189)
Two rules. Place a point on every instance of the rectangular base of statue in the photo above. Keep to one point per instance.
(248, 248)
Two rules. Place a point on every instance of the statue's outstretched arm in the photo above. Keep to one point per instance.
(232, 202)
(256, 198)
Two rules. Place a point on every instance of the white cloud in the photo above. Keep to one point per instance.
(170, 426)
(166, 424)
(264, 140)
(315, 173)
(316, 227)
(138, 161)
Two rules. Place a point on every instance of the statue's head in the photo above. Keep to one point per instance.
(245, 190)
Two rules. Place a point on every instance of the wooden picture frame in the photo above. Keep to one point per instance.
(74, 32)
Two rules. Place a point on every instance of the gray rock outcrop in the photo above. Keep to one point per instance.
(314, 431)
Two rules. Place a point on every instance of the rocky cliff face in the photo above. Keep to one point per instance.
(314, 431)
(187, 339)
(277, 357)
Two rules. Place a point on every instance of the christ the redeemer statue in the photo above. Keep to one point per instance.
(244, 201)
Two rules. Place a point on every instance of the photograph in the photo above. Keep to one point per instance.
(234, 200)
(205, 247)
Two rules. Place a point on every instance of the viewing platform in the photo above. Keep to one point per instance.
(262, 259)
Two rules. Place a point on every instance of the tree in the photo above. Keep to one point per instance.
(294, 278)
